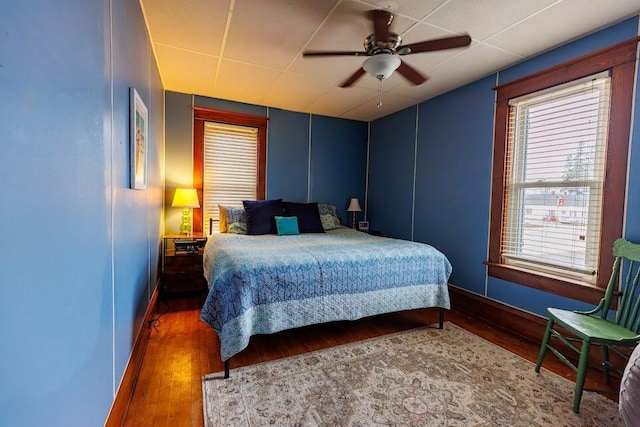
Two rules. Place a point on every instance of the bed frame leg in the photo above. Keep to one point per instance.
(441, 318)
(226, 369)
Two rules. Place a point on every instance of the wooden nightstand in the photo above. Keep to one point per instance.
(182, 269)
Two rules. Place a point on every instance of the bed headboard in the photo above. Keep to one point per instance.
(210, 226)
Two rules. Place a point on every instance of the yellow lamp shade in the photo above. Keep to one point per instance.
(185, 198)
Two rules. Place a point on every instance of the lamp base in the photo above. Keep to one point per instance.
(185, 227)
(353, 225)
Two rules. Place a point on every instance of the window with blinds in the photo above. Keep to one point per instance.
(230, 163)
(554, 172)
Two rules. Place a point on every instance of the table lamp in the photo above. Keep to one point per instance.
(185, 198)
(354, 207)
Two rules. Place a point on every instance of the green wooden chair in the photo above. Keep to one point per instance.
(596, 327)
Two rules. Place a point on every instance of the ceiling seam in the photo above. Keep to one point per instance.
(227, 25)
(197, 52)
(523, 19)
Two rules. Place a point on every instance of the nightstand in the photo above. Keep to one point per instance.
(182, 270)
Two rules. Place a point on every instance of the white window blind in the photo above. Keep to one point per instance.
(230, 162)
(555, 172)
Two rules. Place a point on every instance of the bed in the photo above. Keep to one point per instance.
(268, 283)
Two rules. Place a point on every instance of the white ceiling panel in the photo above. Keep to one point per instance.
(186, 71)
(336, 69)
(195, 25)
(345, 29)
(416, 9)
(340, 101)
(295, 92)
(391, 102)
(526, 38)
(483, 18)
(251, 50)
(262, 32)
(244, 82)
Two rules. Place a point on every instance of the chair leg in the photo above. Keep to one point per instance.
(604, 351)
(545, 342)
(583, 365)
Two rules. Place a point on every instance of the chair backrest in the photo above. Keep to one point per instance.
(627, 263)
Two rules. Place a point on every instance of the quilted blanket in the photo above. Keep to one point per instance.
(266, 284)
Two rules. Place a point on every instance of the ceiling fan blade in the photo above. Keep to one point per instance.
(437, 44)
(381, 21)
(411, 74)
(353, 78)
(312, 53)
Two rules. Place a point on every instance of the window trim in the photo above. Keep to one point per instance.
(201, 115)
(619, 61)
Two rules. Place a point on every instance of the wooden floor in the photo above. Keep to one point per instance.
(181, 349)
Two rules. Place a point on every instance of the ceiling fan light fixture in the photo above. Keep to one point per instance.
(382, 65)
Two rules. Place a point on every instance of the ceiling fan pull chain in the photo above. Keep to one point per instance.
(379, 93)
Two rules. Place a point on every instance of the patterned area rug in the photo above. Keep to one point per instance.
(421, 377)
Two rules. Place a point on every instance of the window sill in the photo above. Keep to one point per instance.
(559, 286)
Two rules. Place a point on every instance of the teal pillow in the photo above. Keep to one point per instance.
(287, 225)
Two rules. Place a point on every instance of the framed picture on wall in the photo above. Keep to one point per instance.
(139, 135)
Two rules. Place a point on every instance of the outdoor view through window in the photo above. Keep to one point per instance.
(554, 178)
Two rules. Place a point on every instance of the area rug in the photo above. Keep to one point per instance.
(420, 377)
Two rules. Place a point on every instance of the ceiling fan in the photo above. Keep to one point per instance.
(384, 49)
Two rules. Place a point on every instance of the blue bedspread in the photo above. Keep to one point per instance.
(266, 284)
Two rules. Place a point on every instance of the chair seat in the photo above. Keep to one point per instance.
(595, 328)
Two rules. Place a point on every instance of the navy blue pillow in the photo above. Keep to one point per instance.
(308, 216)
(261, 215)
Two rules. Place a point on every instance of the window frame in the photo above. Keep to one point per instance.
(619, 61)
(583, 96)
(201, 115)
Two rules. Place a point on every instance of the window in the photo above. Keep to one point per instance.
(559, 178)
(556, 145)
(229, 162)
(229, 167)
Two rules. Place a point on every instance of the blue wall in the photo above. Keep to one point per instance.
(452, 159)
(392, 149)
(79, 248)
(452, 177)
(310, 158)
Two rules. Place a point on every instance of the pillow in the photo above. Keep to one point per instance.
(308, 216)
(261, 214)
(232, 219)
(329, 222)
(328, 216)
(287, 225)
(237, 228)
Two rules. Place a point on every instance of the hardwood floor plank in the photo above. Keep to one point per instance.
(182, 348)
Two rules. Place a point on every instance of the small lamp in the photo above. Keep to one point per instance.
(186, 198)
(354, 206)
